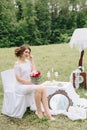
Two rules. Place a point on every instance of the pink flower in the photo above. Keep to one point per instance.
(35, 74)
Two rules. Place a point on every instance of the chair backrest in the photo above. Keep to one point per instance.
(8, 80)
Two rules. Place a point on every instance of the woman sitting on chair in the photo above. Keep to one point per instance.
(23, 68)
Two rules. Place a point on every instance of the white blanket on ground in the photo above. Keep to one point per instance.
(79, 108)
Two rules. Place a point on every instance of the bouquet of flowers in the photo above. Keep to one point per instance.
(35, 76)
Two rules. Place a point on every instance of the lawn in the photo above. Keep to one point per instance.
(64, 60)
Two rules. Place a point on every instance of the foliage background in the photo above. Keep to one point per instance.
(40, 22)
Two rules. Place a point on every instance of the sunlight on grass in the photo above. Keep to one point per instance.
(64, 60)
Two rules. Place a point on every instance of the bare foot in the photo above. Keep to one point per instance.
(40, 115)
(49, 116)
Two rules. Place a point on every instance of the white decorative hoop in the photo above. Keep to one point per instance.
(78, 78)
(81, 79)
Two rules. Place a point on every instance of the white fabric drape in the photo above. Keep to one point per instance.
(79, 108)
(79, 39)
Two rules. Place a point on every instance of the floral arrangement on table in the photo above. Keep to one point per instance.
(35, 77)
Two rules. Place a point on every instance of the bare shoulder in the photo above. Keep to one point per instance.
(16, 63)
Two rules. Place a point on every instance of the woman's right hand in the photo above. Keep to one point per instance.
(31, 57)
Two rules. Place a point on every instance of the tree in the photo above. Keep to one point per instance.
(19, 12)
(7, 23)
(43, 20)
(32, 34)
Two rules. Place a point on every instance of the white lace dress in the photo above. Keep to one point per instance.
(24, 70)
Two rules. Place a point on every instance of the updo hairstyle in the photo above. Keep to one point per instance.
(19, 51)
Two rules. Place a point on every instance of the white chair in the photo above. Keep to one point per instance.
(14, 105)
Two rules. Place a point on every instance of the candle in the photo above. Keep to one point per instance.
(48, 75)
(56, 74)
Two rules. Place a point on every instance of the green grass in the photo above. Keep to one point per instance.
(64, 60)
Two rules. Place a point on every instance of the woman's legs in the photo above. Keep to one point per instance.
(40, 96)
(45, 104)
(38, 103)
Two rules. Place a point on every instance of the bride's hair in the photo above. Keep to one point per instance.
(19, 50)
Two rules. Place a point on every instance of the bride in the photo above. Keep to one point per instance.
(23, 68)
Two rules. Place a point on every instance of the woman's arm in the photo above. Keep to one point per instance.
(23, 81)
